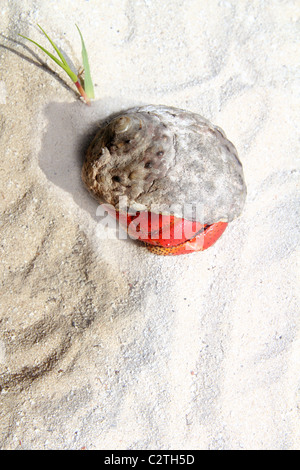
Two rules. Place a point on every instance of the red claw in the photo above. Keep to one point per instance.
(168, 235)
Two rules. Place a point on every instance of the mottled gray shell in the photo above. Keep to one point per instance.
(158, 156)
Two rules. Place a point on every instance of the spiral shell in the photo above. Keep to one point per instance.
(161, 157)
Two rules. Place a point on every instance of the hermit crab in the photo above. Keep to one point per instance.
(169, 176)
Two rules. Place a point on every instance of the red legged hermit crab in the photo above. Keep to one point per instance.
(180, 177)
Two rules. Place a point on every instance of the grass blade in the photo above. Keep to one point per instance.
(88, 82)
(60, 55)
(63, 65)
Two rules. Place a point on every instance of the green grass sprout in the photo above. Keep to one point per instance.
(88, 91)
(88, 82)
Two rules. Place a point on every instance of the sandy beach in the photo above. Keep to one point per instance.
(104, 345)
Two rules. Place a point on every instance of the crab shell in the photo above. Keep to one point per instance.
(166, 168)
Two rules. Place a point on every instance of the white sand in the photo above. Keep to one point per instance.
(103, 345)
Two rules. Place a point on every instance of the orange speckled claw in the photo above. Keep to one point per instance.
(168, 235)
(203, 240)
